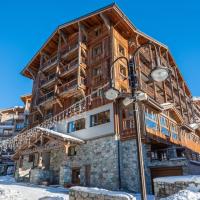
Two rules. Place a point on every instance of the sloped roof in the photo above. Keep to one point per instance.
(61, 135)
(115, 15)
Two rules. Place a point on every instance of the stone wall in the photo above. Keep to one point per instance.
(81, 193)
(40, 176)
(167, 186)
(56, 158)
(129, 166)
(23, 173)
(102, 157)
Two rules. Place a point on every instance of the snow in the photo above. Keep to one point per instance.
(67, 137)
(173, 179)
(184, 195)
(103, 192)
(10, 190)
(111, 193)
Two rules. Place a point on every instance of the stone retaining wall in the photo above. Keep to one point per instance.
(83, 193)
(167, 186)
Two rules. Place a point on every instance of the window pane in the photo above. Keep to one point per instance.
(100, 118)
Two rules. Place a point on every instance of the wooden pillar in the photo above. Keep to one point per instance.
(79, 54)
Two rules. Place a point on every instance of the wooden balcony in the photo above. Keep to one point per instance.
(69, 50)
(48, 81)
(69, 68)
(127, 129)
(49, 64)
(69, 88)
(65, 52)
(46, 99)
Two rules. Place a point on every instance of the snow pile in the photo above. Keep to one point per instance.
(99, 191)
(173, 179)
(10, 190)
(184, 195)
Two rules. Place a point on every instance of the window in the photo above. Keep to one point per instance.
(76, 125)
(72, 151)
(97, 50)
(7, 132)
(19, 126)
(121, 50)
(100, 118)
(174, 131)
(122, 70)
(97, 31)
(151, 120)
(164, 128)
(97, 71)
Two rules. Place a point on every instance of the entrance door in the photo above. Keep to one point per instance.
(165, 171)
(46, 160)
(76, 176)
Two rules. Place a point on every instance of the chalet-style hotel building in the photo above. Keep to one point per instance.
(78, 137)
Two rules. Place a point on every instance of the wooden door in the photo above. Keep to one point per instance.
(76, 176)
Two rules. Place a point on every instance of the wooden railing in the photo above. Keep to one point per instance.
(46, 97)
(49, 62)
(73, 64)
(167, 154)
(69, 48)
(68, 86)
(48, 79)
(66, 49)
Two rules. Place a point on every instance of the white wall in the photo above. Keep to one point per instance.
(90, 132)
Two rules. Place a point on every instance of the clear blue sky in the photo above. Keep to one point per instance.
(25, 25)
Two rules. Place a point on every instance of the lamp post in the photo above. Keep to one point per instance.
(159, 73)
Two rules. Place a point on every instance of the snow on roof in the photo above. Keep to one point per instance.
(173, 179)
(64, 136)
(103, 192)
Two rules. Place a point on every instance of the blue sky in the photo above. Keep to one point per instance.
(25, 25)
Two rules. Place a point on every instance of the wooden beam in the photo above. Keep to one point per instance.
(106, 21)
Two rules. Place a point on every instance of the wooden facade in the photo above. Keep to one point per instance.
(76, 60)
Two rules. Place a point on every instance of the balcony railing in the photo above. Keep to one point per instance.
(46, 97)
(167, 154)
(70, 85)
(53, 60)
(48, 79)
(68, 49)
(64, 51)
(72, 65)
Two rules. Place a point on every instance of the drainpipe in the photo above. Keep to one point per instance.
(119, 162)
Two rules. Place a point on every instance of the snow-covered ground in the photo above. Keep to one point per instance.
(184, 195)
(10, 190)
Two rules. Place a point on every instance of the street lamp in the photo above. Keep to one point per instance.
(159, 74)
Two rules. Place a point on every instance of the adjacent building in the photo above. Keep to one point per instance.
(12, 122)
(78, 137)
